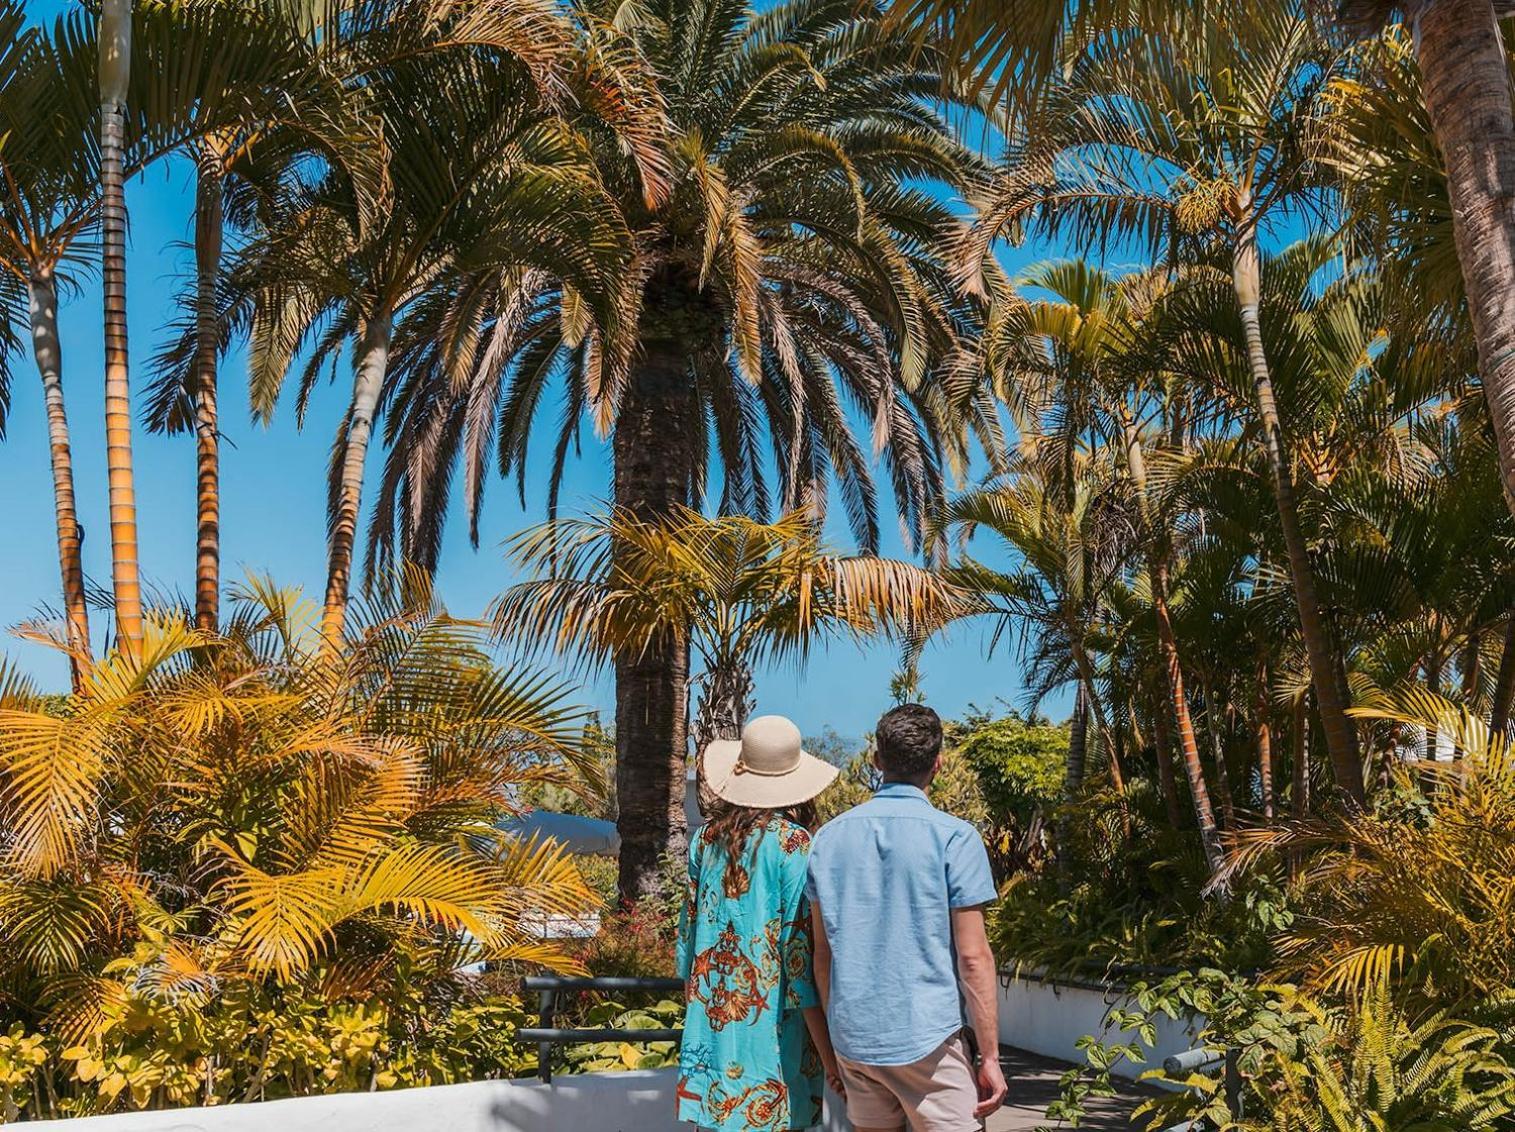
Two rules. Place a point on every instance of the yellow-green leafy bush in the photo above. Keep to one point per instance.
(252, 863)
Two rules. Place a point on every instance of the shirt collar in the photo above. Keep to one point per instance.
(901, 790)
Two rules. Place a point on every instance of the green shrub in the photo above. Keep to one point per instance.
(1018, 769)
(260, 1043)
(609, 1057)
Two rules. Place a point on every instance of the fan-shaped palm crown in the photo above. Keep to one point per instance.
(789, 287)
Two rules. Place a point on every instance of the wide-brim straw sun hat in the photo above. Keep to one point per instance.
(767, 768)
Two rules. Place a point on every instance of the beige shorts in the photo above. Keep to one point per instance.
(938, 1093)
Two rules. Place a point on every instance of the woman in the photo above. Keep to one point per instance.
(755, 1043)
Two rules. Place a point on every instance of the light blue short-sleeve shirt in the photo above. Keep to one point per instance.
(887, 875)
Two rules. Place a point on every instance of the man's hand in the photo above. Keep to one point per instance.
(976, 975)
(991, 1087)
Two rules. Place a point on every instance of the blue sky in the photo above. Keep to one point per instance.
(273, 492)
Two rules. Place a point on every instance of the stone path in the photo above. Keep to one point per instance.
(1033, 1085)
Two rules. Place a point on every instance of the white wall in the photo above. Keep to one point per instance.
(1048, 1018)
(592, 1102)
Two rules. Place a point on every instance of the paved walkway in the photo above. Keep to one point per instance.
(1034, 1084)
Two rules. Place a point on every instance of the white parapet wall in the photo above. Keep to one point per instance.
(591, 1102)
(1048, 1016)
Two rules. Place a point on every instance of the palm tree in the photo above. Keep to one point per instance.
(1087, 378)
(734, 592)
(254, 94)
(1464, 66)
(478, 174)
(1070, 539)
(1201, 140)
(48, 205)
(1465, 82)
(790, 281)
(115, 39)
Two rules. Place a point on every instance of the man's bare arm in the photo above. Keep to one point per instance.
(979, 979)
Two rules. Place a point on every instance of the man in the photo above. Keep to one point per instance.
(897, 891)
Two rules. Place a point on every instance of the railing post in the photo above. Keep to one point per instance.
(547, 1000)
(1233, 1082)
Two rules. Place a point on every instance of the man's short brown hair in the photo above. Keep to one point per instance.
(907, 741)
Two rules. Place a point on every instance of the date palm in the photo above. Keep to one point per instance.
(734, 592)
(792, 282)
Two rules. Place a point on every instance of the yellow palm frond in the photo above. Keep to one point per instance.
(50, 771)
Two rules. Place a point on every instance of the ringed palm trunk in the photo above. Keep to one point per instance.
(1302, 755)
(115, 63)
(42, 293)
(1466, 82)
(1218, 754)
(369, 368)
(1073, 777)
(1078, 739)
(208, 236)
(1167, 782)
(1173, 673)
(1263, 732)
(654, 456)
(1326, 671)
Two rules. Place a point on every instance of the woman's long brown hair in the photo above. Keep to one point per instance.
(733, 828)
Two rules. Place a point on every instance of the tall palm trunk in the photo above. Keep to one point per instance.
(1466, 82)
(1167, 647)
(1218, 754)
(1073, 778)
(1167, 782)
(654, 458)
(1262, 730)
(42, 293)
(1326, 670)
(1194, 770)
(1504, 682)
(1432, 668)
(1302, 755)
(208, 223)
(369, 368)
(115, 66)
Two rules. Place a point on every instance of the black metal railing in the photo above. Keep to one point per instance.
(1203, 1058)
(545, 1035)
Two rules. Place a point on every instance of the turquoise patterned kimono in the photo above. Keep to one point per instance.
(747, 1061)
